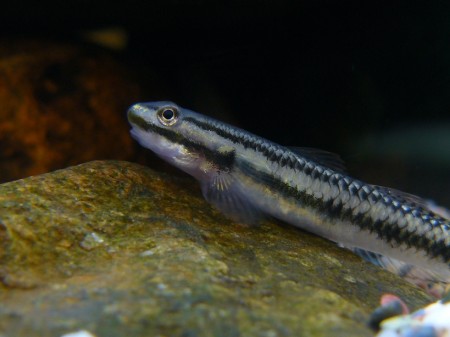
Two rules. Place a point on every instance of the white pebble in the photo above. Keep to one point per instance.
(81, 333)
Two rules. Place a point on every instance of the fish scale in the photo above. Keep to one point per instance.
(248, 177)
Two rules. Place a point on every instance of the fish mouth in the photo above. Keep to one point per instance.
(136, 120)
(148, 139)
(134, 133)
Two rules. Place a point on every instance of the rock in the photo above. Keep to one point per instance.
(61, 104)
(117, 249)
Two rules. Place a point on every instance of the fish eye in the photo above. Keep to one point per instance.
(168, 116)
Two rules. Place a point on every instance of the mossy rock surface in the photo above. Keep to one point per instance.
(118, 249)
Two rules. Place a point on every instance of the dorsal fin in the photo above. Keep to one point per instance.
(416, 201)
(403, 196)
(321, 157)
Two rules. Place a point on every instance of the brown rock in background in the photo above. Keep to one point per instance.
(60, 105)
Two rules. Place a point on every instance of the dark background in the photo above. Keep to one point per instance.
(367, 79)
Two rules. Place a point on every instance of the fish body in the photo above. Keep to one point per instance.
(248, 177)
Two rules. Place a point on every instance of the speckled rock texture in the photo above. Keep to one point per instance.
(117, 249)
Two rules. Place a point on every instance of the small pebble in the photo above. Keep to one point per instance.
(81, 333)
(91, 241)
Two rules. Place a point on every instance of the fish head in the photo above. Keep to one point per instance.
(160, 127)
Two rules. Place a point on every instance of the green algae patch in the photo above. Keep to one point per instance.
(120, 250)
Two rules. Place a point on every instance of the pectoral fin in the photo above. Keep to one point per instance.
(431, 282)
(224, 192)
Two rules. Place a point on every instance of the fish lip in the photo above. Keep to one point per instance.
(131, 114)
(133, 133)
(136, 120)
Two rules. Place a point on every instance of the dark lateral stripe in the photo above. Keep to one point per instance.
(223, 160)
(272, 152)
(249, 141)
(231, 134)
(389, 232)
(386, 231)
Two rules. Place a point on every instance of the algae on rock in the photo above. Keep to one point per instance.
(120, 250)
